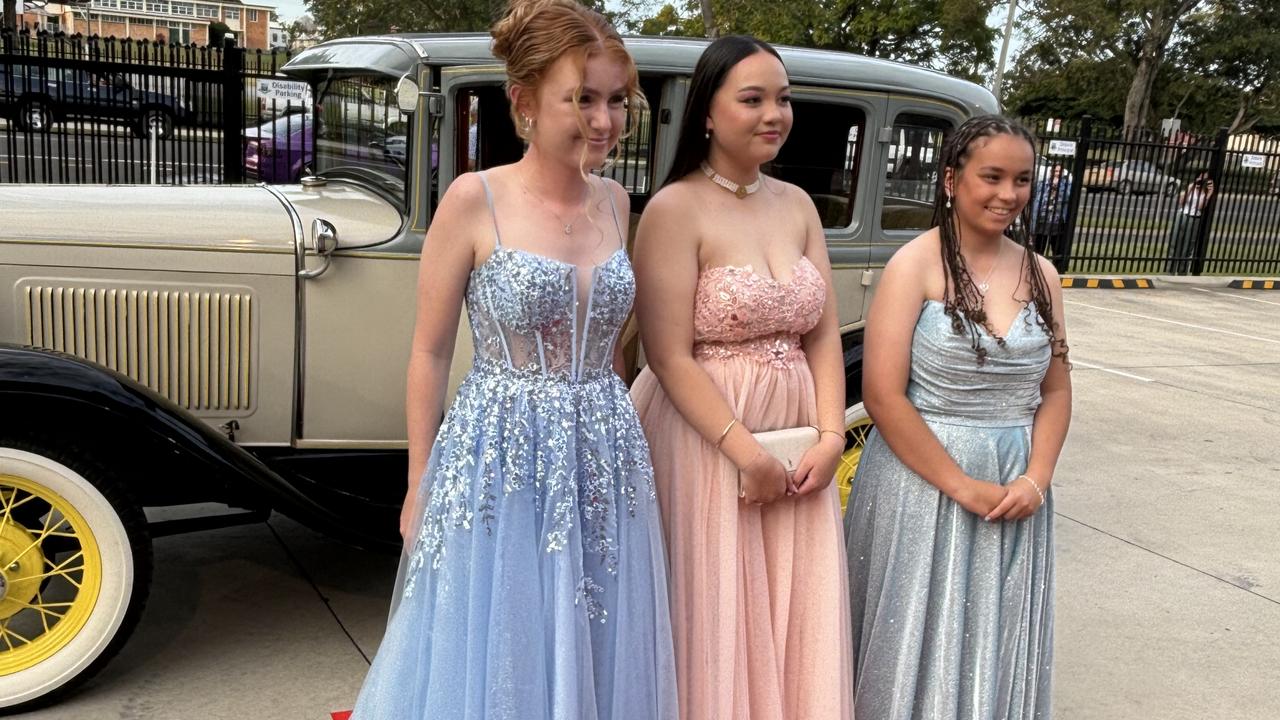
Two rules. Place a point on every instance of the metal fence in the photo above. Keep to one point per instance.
(1113, 201)
(76, 109)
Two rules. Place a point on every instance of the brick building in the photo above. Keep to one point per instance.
(181, 21)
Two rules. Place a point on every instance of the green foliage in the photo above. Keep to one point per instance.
(373, 17)
(950, 35)
(217, 32)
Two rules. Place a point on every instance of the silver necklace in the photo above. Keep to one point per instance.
(739, 191)
(985, 285)
(568, 226)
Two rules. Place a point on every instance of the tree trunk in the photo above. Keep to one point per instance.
(709, 20)
(1137, 105)
(10, 15)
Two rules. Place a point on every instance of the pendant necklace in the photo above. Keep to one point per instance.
(739, 191)
(985, 285)
(568, 226)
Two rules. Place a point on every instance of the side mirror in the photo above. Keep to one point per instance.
(324, 237)
(324, 240)
(407, 95)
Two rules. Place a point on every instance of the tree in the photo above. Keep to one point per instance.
(1234, 47)
(949, 35)
(10, 15)
(1137, 31)
(218, 31)
(340, 18)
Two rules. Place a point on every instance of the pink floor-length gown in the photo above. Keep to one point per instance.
(759, 595)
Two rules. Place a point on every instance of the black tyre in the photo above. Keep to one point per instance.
(75, 569)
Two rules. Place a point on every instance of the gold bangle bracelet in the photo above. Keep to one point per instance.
(725, 433)
(837, 433)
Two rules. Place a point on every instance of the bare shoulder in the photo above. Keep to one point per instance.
(922, 251)
(793, 193)
(465, 194)
(621, 198)
(671, 201)
(1051, 276)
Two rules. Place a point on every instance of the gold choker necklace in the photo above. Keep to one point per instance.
(739, 191)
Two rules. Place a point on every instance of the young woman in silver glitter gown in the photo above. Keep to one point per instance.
(534, 581)
(949, 526)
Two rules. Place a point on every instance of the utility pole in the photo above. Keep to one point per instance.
(1004, 49)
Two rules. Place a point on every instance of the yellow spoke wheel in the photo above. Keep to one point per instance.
(857, 427)
(74, 565)
(46, 600)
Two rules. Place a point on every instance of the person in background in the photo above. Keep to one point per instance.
(1186, 223)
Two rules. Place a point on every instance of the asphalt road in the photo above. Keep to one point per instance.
(1168, 580)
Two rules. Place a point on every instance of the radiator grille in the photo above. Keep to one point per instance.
(193, 347)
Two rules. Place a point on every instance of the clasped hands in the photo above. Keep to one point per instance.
(764, 479)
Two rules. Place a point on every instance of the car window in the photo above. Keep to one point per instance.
(631, 162)
(358, 115)
(911, 175)
(822, 156)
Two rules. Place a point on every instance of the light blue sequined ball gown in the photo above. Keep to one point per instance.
(535, 589)
(952, 615)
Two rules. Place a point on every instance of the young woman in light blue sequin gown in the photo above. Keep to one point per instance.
(949, 525)
(534, 581)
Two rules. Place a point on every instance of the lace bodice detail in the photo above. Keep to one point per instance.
(523, 309)
(738, 312)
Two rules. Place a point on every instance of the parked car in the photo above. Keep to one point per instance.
(38, 98)
(245, 345)
(278, 150)
(1131, 176)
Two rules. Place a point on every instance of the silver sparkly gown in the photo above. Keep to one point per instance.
(535, 588)
(953, 616)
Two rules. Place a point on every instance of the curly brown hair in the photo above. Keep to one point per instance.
(961, 298)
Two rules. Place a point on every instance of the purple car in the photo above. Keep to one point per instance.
(276, 151)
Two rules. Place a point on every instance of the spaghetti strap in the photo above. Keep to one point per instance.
(622, 238)
(493, 215)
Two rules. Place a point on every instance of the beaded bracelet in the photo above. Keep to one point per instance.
(1034, 485)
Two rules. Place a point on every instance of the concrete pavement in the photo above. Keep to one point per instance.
(1168, 603)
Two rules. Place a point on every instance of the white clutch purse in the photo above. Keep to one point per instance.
(788, 445)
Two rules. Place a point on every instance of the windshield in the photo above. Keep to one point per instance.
(362, 130)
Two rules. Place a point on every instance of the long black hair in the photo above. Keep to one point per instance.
(708, 75)
(960, 293)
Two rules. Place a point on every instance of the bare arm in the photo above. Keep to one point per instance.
(448, 254)
(1053, 417)
(886, 371)
(826, 363)
(666, 262)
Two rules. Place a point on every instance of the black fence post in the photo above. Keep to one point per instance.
(1063, 260)
(232, 112)
(1216, 167)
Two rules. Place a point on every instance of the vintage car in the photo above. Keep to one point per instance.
(246, 345)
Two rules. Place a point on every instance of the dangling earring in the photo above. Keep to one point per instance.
(707, 134)
(948, 202)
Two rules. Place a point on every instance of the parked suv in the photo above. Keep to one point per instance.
(246, 345)
(37, 98)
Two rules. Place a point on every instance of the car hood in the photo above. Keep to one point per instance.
(244, 217)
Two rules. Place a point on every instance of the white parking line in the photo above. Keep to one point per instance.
(1273, 341)
(1091, 366)
(1238, 297)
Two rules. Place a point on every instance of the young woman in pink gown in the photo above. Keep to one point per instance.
(739, 326)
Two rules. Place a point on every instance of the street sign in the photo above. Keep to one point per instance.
(290, 91)
(1253, 161)
(1062, 147)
